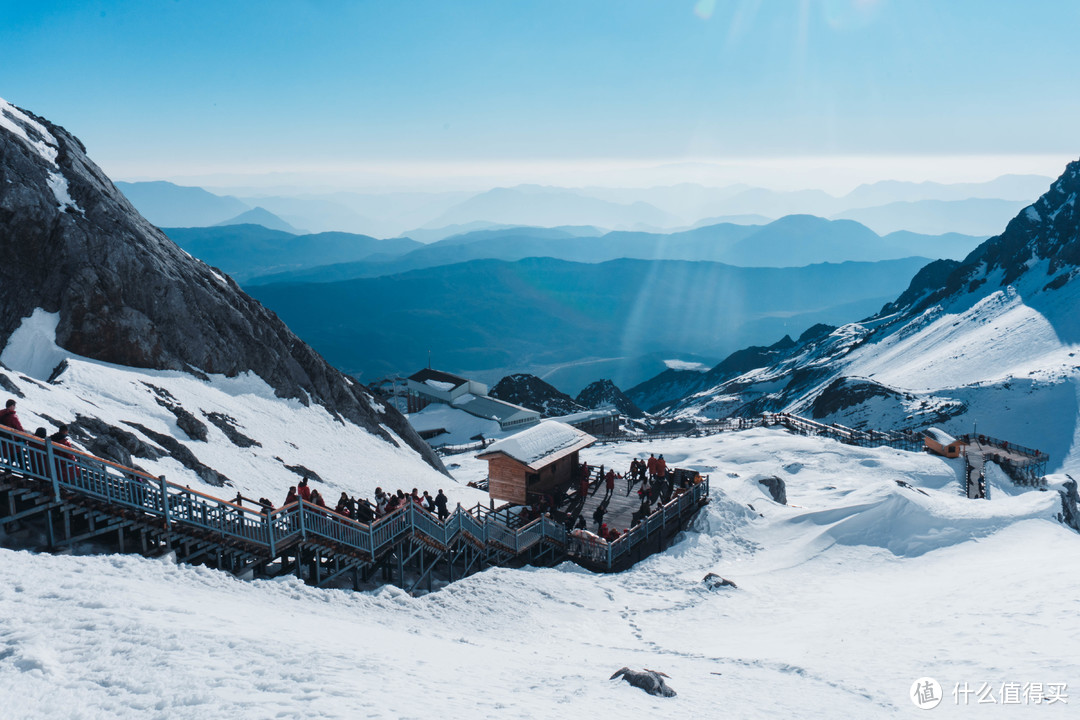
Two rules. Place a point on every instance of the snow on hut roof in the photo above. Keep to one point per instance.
(939, 436)
(541, 444)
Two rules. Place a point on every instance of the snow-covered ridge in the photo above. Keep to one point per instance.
(44, 144)
(258, 442)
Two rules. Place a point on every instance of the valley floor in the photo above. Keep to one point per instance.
(845, 597)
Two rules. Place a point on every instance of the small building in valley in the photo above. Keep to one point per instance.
(534, 462)
(602, 421)
(941, 443)
(428, 386)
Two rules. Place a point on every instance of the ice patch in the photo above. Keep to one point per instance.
(32, 348)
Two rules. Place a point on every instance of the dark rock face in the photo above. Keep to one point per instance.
(180, 452)
(673, 385)
(1047, 229)
(650, 681)
(531, 392)
(8, 385)
(776, 487)
(111, 443)
(846, 392)
(227, 425)
(604, 393)
(1070, 505)
(126, 294)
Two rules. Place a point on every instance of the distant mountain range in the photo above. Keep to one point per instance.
(791, 241)
(243, 251)
(486, 314)
(263, 217)
(167, 205)
(435, 215)
(977, 216)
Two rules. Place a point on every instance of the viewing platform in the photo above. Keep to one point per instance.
(73, 497)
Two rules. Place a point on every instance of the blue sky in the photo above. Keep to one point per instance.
(168, 89)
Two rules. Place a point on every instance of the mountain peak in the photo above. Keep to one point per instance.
(71, 244)
(1047, 230)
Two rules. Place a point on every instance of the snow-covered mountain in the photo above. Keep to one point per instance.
(532, 392)
(604, 393)
(992, 341)
(157, 359)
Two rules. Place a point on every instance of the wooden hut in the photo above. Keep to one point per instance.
(941, 443)
(534, 462)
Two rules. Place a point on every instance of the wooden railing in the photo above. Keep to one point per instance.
(68, 472)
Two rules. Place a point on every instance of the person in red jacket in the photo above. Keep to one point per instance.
(661, 467)
(304, 491)
(8, 417)
(292, 496)
(651, 465)
(609, 483)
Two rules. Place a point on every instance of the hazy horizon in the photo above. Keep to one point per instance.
(822, 94)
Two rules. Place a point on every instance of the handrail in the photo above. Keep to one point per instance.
(271, 528)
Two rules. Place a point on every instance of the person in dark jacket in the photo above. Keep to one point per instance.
(364, 512)
(66, 470)
(344, 505)
(598, 514)
(9, 418)
(440, 506)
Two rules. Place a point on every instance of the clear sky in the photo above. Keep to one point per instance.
(534, 88)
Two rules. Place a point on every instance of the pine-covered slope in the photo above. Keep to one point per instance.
(72, 245)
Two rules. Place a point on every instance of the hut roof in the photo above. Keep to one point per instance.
(542, 444)
(940, 436)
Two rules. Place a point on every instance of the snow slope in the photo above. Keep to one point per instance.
(307, 437)
(844, 598)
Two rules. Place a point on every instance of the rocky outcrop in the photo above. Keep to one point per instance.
(712, 581)
(1070, 505)
(72, 244)
(776, 487)
(531, 392)
(111, 443)
(604, 393)
(650, 681)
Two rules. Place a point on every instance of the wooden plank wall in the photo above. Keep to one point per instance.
(506, 479)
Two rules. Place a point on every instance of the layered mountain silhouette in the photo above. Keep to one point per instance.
(791, 241)
(488, 314)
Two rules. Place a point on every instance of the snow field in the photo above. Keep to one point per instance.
(845, 597)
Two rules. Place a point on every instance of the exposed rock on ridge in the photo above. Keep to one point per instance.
(72, 244)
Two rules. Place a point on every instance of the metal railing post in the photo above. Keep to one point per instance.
(300, 514)
(54, 472)
(268, 514)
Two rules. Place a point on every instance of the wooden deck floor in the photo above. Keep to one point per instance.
(621, 507)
